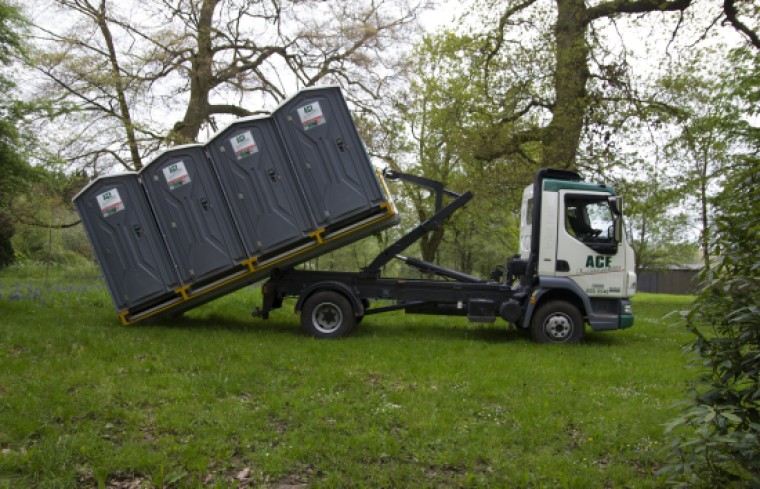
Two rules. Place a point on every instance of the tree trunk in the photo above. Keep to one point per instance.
(705, 237)
(7, 255)
(563, 133)
(124, 114)
(430, 242)
(201, 80)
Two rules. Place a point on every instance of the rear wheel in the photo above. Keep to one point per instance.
(327, 314)
(558, 322)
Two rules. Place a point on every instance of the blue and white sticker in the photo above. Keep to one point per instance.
(244, 145)
(110, 202)
(176, 175)
(311, 116)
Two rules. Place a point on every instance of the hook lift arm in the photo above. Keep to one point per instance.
(435, 222)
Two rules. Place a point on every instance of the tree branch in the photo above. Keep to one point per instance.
(502, 26)
(232, 109)
(615, 7)
(729, 8)
(33, 221)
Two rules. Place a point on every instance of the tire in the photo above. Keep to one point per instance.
(327, 314)
(557, 322)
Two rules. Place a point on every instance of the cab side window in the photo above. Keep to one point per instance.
(529, 212)
(589, 220)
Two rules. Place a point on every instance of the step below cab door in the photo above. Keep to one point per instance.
(587, 249)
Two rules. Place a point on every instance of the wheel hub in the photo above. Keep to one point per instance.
(327, 317)
(558, 326)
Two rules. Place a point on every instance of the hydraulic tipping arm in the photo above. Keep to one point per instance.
(441, 214)
(433, 185)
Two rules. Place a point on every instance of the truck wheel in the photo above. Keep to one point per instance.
(557, 322)
(327, 314)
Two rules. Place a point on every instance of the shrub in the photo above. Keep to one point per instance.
(717, 437)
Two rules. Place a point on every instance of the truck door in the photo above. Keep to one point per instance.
(587, 251)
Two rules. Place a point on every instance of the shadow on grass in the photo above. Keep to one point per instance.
(605, 338)
(494, 333)
(223, 323)
(374, 328)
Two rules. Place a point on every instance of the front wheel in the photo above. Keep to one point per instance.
(557, 322)
(327, 314)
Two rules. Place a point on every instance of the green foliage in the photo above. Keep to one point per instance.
(709, 134)
(717, 437)
(47, 228)
(458, 110)
(13, 167)
(658, 229)
(11, 22)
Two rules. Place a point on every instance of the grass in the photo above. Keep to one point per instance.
(219, 399)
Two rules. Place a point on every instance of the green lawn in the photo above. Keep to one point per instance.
(219, 399)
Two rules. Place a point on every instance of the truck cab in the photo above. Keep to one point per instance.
(574, 249)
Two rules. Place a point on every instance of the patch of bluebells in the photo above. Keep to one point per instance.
(43, 295)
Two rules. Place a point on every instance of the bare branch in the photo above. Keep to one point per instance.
(505, 17)
(729, 8)
(233, 109)
(33, 221)
(615, 7)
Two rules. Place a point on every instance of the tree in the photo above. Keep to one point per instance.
(450, 111)
(13, 166)
(198, 60)
(707, 138)
(582, 81)
(656, 223)
(717, 437)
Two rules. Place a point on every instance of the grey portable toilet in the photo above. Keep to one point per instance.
(192, 214)
(126, 240)
(328, 155)
(262, 191)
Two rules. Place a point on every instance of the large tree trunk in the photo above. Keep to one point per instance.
(201, 80)
(430, 242)
(563, 134)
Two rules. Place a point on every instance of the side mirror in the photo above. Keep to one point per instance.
(616, 204)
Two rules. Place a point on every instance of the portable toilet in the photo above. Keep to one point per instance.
(328, 156)
(192, 214)
(257, 179)
(126, 241)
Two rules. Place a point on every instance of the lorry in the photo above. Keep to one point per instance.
(268, 193)
(576, 266)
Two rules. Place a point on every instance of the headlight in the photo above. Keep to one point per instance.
(627, 309)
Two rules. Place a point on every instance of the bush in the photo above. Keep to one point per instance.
(717, 437)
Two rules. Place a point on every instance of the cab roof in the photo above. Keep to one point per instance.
(555, 185)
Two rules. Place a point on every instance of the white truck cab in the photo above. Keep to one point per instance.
(581, 253)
